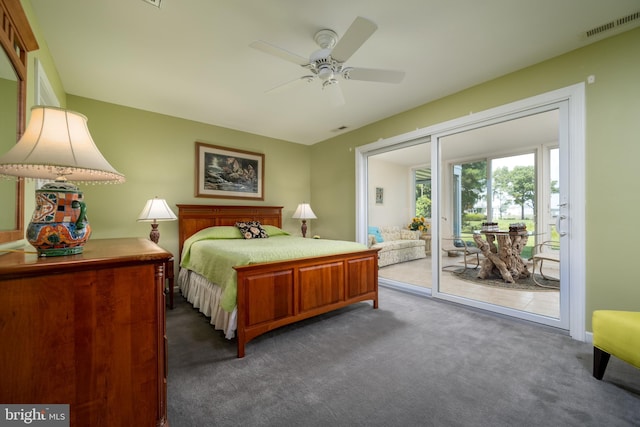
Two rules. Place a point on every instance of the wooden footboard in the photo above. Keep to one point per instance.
(275, 294)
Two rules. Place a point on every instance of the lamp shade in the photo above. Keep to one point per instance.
(304, 211)
(156, 210)
(57, 145)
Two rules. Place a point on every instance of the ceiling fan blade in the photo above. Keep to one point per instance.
(279, 52)
(332, 88)
(373, 75)
(291, 84)
(358, 33)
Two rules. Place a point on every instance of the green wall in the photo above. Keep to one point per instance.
(156, 153)
(612, 154)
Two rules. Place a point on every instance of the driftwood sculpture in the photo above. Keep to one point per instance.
(502, 259)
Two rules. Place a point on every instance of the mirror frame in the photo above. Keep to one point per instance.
(17, 39)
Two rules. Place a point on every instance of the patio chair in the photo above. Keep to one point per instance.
(459, 246)
(545, 251)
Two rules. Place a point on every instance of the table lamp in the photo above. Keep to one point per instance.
(156, 210)
(304, 212)
(57, 146)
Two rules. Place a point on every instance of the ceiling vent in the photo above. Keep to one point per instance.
(155, 3)
(613, 24)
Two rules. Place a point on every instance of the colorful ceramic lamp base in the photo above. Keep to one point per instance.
(60, 252)
(58, 226)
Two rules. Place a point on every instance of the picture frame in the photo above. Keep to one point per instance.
(379, 195)
(228, 173)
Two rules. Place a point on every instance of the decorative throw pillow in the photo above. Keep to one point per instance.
(375, 231)
(409, 235)
(272, 230)
(252, 230)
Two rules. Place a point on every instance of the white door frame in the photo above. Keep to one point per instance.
(572, 157)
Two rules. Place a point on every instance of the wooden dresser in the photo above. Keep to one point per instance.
(87, 330)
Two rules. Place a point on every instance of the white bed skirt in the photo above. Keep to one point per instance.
(205, 296)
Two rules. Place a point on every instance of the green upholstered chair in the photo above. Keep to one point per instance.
(615, 333)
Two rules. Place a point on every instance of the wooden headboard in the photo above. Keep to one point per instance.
(193, 218)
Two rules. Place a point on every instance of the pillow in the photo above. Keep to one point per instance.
(252, 230)
(409, 235)
(220, 232)
(375, 231)
(272, 230)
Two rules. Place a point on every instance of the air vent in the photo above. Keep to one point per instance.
(339, 129)
(155, 3)
(628, 19)
(613, 24)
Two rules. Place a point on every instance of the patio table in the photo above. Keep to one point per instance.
(502, 250)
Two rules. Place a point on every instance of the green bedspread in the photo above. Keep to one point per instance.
(214, 258)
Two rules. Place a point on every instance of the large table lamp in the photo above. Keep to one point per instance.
(57, 146)
(304, 212)
(156, 210)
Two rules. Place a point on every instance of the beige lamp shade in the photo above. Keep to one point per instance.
(304, 211)
(156, 210)
(57, 145)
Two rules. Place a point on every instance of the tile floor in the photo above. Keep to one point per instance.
(418, 273)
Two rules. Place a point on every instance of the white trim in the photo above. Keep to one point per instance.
(588, 337)
(577, 203)
(44, 93)
(575, 97)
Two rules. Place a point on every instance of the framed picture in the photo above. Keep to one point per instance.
(227, 173)
(379, 195)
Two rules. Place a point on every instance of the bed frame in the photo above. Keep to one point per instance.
(271, 295)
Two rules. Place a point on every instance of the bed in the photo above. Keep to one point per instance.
(269, 295)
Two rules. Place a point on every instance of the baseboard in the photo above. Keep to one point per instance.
(588, 336)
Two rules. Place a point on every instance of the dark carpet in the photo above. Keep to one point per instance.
(523, 283)
(413, 362)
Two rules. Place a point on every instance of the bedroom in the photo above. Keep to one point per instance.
(155, 152)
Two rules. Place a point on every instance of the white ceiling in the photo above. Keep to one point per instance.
(191, 58)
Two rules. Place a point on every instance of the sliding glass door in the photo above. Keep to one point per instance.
(499, 196)
(503, 177)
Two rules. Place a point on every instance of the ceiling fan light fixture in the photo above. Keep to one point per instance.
(325, 73)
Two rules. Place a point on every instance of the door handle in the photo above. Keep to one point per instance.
(560, 217)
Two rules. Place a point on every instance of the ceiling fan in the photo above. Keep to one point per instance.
(328, 63)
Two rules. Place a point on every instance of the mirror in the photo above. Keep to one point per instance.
(16, 38)
(8, 121)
